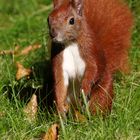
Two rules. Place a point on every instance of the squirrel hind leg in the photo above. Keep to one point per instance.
(102, 96)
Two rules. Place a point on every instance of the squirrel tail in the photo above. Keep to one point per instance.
(112, 23)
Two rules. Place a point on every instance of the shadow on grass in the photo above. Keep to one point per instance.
(42, 74)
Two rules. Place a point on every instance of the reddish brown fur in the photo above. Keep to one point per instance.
(111, 20)
(59, 81)
(104, 40)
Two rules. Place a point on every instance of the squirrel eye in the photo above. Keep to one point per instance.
(71, 21)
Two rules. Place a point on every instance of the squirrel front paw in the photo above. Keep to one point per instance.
(63, 109)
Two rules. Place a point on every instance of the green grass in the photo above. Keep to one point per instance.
(24, 22)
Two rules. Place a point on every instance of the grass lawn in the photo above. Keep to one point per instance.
(24, 23)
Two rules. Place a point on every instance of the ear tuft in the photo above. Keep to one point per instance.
(57, 3)
(78, 6)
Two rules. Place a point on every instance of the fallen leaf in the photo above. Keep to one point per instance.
(31, 108)
(6, 52)
(52, 133)
(29, 49)
(16, 49)
(11, 52)
(79, 117)
(21, 71)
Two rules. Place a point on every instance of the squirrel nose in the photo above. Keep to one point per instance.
(53, 33)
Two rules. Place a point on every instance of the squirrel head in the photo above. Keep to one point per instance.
(65, 20)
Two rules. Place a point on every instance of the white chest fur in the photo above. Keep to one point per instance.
(73, 65)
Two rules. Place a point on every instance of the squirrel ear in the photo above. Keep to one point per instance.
(78, 6)
(57, 3)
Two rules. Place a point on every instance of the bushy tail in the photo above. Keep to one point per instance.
(112, 23)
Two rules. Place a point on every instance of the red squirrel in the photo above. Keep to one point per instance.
(90, 42)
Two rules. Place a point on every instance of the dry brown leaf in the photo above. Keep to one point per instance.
(29, 49)
(11, 52)
(52, 133)
(79, 117)
(25, 51)
(31, 108)
(21, 71)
